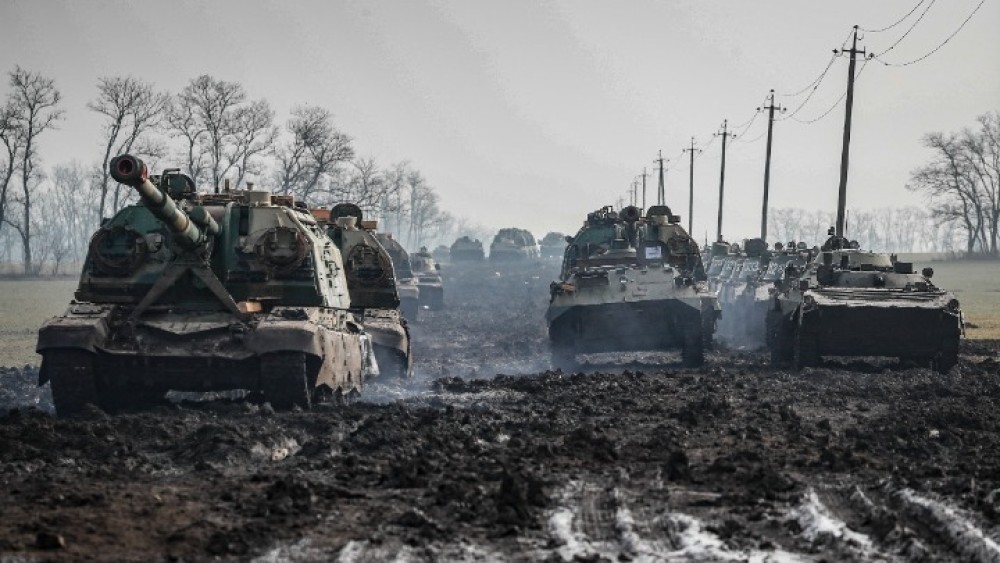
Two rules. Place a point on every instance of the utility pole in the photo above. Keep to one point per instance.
(661, 198)
(725, 134)
(633, 192)
(691, 150)
(845, 155)
(770, 107)
(644, 189)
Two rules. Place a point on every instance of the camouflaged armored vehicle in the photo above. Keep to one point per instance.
(193, 292)
(467, 249)
(372, 285)
(631, 283)
(553, 245)
(511, 245)
(427, 272)
(442, 254)
(406, 281)
(849, 302)
(743, 324)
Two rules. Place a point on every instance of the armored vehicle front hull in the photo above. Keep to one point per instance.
(923, 327)
(92, 354)
(390, 342)
(645, 310)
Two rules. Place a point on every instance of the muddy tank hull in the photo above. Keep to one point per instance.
(668, 324)
(919, 328)
(292, 356)
(390, 338)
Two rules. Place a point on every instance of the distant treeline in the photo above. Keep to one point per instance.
(888, 229)
(214, 132)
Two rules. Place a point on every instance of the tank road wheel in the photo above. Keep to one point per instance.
(779, 337)
(806, 349)
(947, 358)
(708, 326)
(410, 309)
(693, 351)
(71, 374)
(284, 381)
(562, 346)
(392, 364)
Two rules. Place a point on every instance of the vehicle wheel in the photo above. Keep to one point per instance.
(806, 350)
(564, 358)
(708, 327)
(410, 309)
(946, 359)
(284, 381)
(392, 364)
(693, 352)
(71, 375)
(779, 339)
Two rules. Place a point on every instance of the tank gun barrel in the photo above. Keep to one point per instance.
(189, 232)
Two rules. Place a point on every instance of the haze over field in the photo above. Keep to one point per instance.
(531, 115)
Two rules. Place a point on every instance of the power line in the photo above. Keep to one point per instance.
(901, 20)
(902, 37)
(835, 104)
(938, 48)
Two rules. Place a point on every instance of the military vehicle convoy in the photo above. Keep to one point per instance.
(553, 245)
(850, 302)
(512, 244)
(406, 281)
(210, 292)
(631, 282)
(372, 286)
(426, 270)
(467, 249)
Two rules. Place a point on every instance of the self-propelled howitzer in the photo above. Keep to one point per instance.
(204, 292)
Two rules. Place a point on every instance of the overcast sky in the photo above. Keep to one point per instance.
(533, 113)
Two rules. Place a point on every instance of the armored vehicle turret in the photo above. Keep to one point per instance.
(467, 249)
(371, 282)
(849, 302)
(428, 274)
(631, 283)
(194, 292)
(406, 281)
(512, 244)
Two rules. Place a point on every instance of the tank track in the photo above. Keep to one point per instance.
(284, 380)
(71, 375)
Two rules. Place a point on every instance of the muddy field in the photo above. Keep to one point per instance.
(635, 458)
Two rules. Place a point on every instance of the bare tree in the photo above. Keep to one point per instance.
(313, 155)
(223, 132)
(132, 109)
(33, 101)
(12, 138)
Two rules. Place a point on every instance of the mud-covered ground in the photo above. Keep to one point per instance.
(634, 459)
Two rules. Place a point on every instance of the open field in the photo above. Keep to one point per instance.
(24, 305)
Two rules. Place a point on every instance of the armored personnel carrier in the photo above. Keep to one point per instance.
(513, 244)
(631, 283)
(442, 254)
(855, 303)
(467, 249)
(428, 275)
(195, 292)
(553, 245)
(406, 281)
(372, 286)
(743, 324)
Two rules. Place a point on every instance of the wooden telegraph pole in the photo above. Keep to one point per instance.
(691, 150)
(725, 134)
(770, 107)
